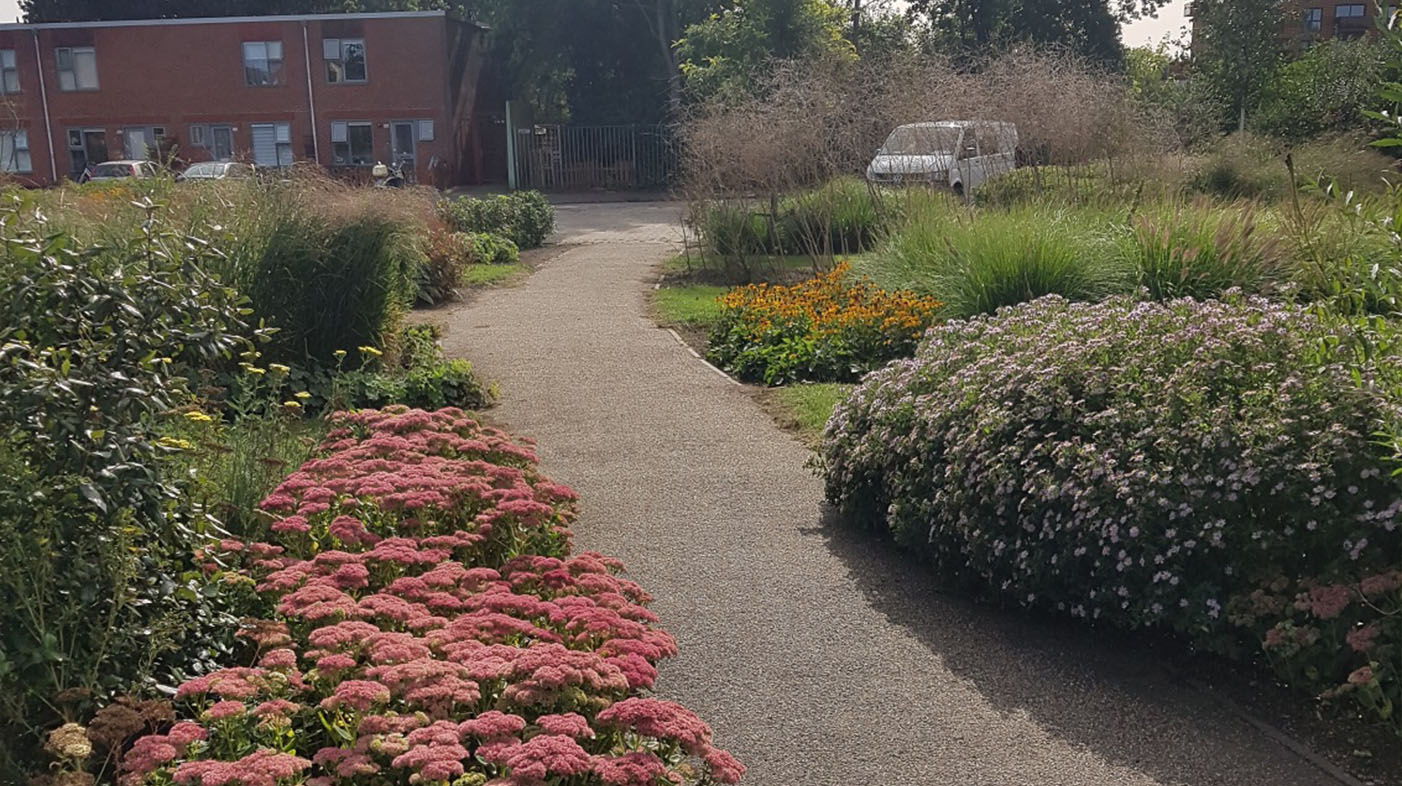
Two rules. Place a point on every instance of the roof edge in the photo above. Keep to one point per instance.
(225, 20)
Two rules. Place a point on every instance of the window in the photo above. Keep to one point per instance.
(345, 59)
(198, 135)
(262, 63)
(272, 144)
(352, 144)
(1348, 11)
(425, 130)
(77, 68)
(86, 147)
(1313, 17)
(9, 72)
(14, 151)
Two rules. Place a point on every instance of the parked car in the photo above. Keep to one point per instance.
(960, 154)
(118, 170)
(217, 170)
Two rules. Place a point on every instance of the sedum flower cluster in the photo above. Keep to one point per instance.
(430, 627)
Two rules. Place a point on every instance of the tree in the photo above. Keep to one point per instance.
(1325, 91)
(1089, 28)
(719, 55)
(1236, 50)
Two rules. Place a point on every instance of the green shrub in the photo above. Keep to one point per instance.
(99, 590)
(445, 256)
(1201, 250)
(1139, 464)
(1090, 184)
(1323, 91)
(981, 262)
(525, 217)
(484, 248)
(1343, 163)
(422, 378)
(330, 286)
(734, 229)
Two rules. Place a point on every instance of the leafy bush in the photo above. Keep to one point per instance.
(488, 249)
(1142, 464)
(734, 229)
(445, 256)
(422, 378)
(99, 593)
(827, 329)
(982, 262)
(525, 217)
(1201, 250)
(423, 587)
(1323, 91)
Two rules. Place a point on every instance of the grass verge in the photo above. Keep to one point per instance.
(692, 306)
(493, 275)
(804, 409)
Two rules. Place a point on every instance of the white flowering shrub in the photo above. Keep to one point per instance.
(1138, 463)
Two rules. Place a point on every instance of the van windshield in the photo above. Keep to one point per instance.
(921, 140)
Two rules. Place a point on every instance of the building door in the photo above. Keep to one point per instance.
(139, 142)
(221, 143)
(272, 144)
(86, 147)
(402, 138)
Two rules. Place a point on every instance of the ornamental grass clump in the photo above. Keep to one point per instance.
(831, 328)
(425, 622)
(1142, 464)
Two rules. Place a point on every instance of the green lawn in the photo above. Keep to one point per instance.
(693, 305)
(491, 275)
(805, 408)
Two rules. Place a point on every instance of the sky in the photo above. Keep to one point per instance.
(1141, 33)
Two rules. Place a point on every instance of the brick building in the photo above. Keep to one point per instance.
(1307, 21)
(343, 90)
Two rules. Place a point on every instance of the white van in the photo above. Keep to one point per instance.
(960, 154)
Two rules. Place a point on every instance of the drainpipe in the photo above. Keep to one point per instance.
(44, 99)
(311, 98)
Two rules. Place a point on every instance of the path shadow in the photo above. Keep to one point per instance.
(1113, 693)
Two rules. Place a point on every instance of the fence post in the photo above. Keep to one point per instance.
(510, 149)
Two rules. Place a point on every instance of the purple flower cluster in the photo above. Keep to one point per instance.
(1139, 463)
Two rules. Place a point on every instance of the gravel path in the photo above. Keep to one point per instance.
(817, 654)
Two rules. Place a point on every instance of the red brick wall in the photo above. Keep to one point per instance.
(175, 75)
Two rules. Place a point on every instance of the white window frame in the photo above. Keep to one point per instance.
(333, 52)
(340, 135)
(275, 75)
(1314, 20)
(9, 72)
(425, 130)
(69, 77)
(13, 144)
(199, 136)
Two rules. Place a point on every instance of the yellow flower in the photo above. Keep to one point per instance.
(292, 404)
(371, 351)
(175, 444)
(196, 416)
(302, 394)
(340, 353)
(278, 368)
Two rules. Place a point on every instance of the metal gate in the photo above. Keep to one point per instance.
(585, 158)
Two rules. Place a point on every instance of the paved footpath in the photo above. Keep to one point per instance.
(817, 654)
